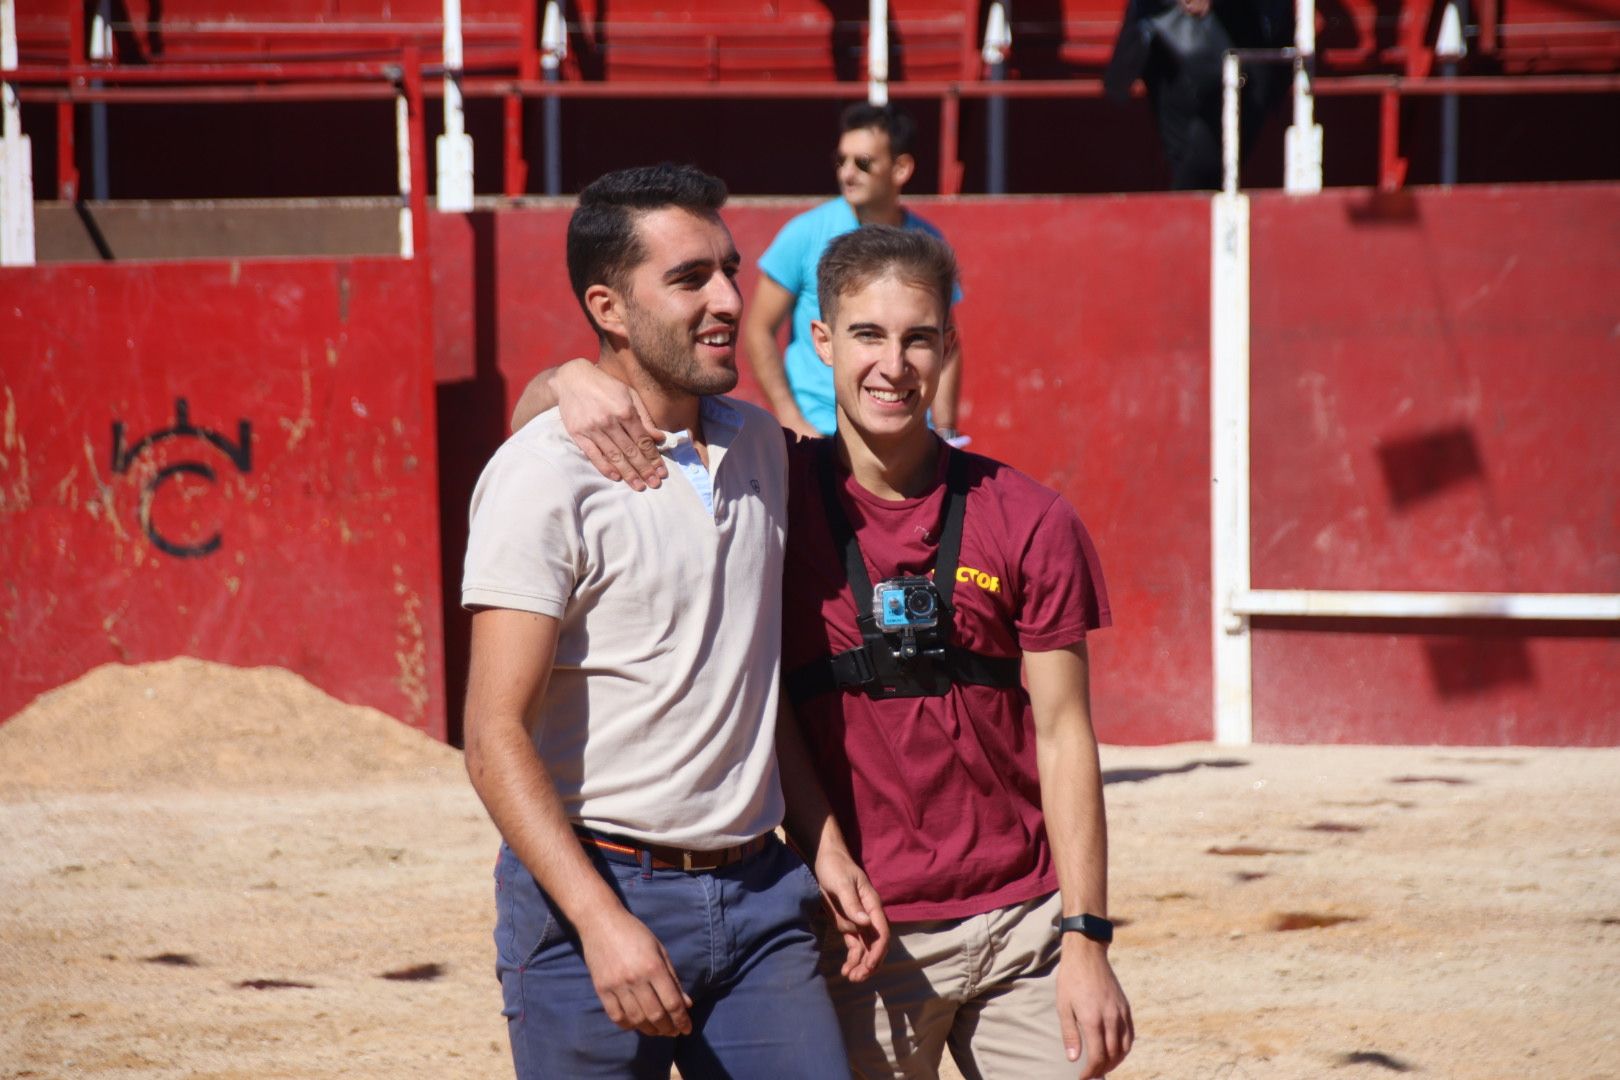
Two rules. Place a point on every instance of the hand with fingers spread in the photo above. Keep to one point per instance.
(1093, 1013)
(634, 978)
(608, 422)
(856, 910)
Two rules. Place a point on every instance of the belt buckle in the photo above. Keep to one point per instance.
(689, 864)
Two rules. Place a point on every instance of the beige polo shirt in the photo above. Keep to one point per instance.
(659, 719)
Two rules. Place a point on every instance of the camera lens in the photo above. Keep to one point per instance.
(919, 602)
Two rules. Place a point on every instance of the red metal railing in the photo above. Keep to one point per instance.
(378, 80)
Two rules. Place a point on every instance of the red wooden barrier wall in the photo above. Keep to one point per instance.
(1434, 383)
(227, 460)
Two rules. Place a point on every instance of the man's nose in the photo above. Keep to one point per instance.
(725, 298)
(892, 364)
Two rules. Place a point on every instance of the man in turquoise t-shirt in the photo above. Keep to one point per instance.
(874, 162)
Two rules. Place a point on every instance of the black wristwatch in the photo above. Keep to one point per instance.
(1094, 927)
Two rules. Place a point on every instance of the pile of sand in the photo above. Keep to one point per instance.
(193, 725)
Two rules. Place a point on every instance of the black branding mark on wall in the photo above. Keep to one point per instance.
(240, 453)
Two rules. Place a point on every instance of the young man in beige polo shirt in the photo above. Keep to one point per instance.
(622, 701)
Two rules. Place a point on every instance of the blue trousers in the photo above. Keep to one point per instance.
(740, 939)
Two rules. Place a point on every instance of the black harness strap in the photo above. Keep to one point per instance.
(843, 534)
(872, 666)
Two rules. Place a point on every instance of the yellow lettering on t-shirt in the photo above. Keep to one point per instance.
(968, 575)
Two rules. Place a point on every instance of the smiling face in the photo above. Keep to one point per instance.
(886, 343)
(678, 308)
(870, 174)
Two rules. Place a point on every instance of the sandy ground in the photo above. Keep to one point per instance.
(219, 874)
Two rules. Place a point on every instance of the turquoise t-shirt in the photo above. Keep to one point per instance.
(791, 261)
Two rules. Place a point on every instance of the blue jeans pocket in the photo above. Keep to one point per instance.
(525, 921)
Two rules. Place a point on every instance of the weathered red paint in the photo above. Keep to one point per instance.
(308, 540)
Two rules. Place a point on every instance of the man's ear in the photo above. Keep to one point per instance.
(607, 309)
(903, 169)
(821, 338)
(952, 340)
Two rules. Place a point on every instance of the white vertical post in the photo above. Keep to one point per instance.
(997, 43)
(16, 157)
(455, 148)
(553, 50)
(1229, 432)
(402, 148)
(877, 52)
(1302, 143)
(1448, 49)
(100, 48)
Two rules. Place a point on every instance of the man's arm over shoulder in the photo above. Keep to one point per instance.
(606, 419)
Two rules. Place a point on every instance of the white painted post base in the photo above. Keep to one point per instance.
(16, 201)
(455, 164)
(1302, 160)
(16, 157)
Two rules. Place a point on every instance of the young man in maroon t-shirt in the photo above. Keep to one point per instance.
(974, 804)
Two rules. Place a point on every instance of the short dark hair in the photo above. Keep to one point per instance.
(856, 259)
(892, 120)
(603, 244)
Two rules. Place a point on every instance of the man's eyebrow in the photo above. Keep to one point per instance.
(680, 270)
(864, 327)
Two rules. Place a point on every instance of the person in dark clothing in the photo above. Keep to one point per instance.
(1175, 48)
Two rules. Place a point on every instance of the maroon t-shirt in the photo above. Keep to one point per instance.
(939, 796)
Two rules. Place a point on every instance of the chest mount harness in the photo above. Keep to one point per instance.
(911, 653)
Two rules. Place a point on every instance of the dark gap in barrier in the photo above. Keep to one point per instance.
(472, 419)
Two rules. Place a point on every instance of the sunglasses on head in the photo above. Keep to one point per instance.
(863, 162)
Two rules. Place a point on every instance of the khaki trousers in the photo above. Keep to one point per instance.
(985, 987)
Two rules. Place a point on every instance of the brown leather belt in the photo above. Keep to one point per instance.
(672, 858)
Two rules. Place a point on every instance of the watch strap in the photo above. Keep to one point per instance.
(1095, 927)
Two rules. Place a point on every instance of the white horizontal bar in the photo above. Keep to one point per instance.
(1427, 605)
